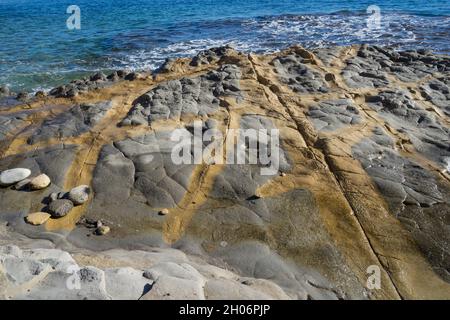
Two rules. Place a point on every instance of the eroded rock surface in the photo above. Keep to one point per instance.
(189, 96)
(76, 121)
(424, 130)
(358, 179)
(294, 71)
(373, 64)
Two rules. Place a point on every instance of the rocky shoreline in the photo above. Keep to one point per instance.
(87, 182)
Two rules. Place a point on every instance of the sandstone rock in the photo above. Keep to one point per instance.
(211, 55)
(11, 124)
(163, 212)
(103, 230)
(60, 208)
(334, 114)
(307, 234)
(99, 76)
(42, 181)
(73, 284)
(79, 195)
(37, 218)
(23, 270)
(12, 176)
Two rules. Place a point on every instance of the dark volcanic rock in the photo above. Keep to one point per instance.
(99, 76)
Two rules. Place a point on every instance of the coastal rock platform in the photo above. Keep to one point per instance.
(363, 181)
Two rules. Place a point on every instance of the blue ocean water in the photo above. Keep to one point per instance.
(38, 51)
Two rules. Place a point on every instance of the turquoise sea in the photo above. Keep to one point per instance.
(38, 51)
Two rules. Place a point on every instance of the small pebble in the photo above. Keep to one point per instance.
(163, 212)
(103, 230)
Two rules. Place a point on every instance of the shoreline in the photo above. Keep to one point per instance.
(364, 130)
(99, 79)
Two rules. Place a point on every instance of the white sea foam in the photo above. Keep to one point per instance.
(261, 35)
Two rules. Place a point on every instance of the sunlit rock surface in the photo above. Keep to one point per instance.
(362, 180)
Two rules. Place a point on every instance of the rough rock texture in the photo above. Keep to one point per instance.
(76, 121)
(37, 218)
(79, 195)
(294, 71)
(415, 196)
(189, 96)
(438, 92)
(422, 129)
(361, 180)
(334, 114)
(59, 208)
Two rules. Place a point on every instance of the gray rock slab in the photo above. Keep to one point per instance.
(428, 135)
(415, 196)
(300, 77)
(76, 121)
(334, 114)
(188, 96)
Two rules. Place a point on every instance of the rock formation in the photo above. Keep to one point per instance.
(363, 181)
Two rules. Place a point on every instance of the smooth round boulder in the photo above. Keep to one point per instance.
(13, 176)
(79, 195)
(59, 208)
(37, 218)
(42, 181)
